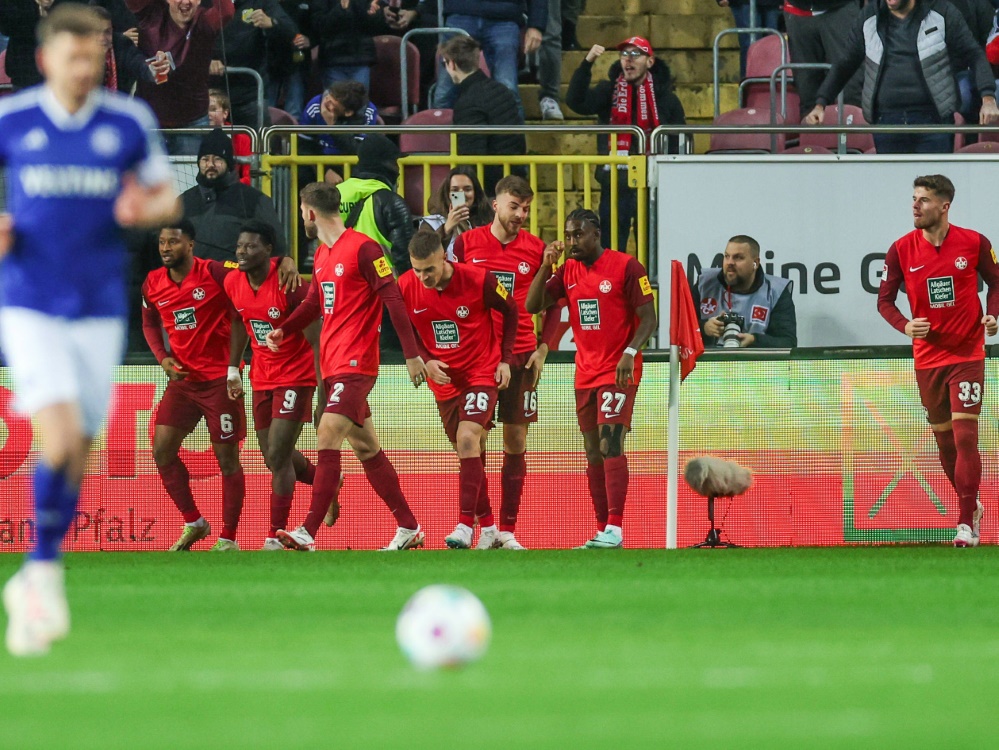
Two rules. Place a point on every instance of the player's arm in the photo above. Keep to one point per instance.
(459, 249)
(307, 312)
(988, 269)
(891, 281)
(498, 298)
(147, 198)
(152, 330)
(541, 295)
(639, 291)
(6, 233)
(238, 339)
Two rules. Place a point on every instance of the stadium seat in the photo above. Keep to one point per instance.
(805, 150)
(280, 117)
(748, 142)
(762, 58)
(960, 140)
(5, 86)
(386, 78)
(425, 143)
(856, 143)
(982, 147)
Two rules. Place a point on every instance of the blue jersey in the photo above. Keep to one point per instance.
(64, 174)
(313, 116)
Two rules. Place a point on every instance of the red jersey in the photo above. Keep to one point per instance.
(456, 326)
(262, 311)
(602, 299)
(514, 264)
(942, 286)
(196, 314)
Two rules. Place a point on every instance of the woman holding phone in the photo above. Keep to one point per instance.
(458, 205)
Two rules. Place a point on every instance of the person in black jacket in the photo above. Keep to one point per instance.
(18, 19)
(638, 76)
(481, 101)
(345, 31)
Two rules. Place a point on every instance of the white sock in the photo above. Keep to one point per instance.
(200, 522)
(610, 528)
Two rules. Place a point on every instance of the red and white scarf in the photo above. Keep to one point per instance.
(623, 105)
(110, 71)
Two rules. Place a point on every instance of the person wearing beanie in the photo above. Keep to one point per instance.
(220, 204)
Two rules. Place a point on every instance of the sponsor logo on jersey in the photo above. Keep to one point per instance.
(992, 250)
(338, 269)
(589, 314)
(524, 267)
(48, 181)
(230, 264)
(462, 312)
(605, 286)
(382, 267)
(198, 294)
(260, 330)
(105, 140)
(273, 313)
(961, 263)
(329, 296)
(184, 319)
(760, 313)
(507, 279)
(644, 285)
(446, 334)
(941, 291)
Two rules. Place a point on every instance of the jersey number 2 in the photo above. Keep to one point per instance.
(613, 403)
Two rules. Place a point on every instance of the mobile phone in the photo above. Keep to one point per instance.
(457, 198)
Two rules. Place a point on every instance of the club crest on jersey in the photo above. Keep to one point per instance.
(462, 312)
(605, 286)
(941, 291)
(35, 140)
(961, 263)
(198, 294)
(184, 320)
(446, 334)
(589, 314)
(273, 313)
(105, 141)
(524, 267)
(709, 305)
(338, 269)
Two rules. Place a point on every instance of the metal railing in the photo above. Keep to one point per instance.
(404, 61)
(716, 53)
(261, 103)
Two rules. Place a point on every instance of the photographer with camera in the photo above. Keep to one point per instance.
(740, 306)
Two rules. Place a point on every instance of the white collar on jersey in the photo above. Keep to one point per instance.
(63, 119)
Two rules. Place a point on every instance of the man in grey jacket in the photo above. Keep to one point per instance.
(909, 49)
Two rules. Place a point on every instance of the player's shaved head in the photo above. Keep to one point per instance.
(937, 184)
(70, 18)
(321, 197)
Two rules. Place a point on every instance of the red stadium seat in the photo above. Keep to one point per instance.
(280, 117)
(806, 150)
(762, 58)
(386, 78)
(748, 142)
(960, 141)
(982, 147)
(856, 143)
(4, 78)
(425, 143)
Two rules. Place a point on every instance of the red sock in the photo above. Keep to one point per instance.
(470, 477)
(948, 454)
(616, 473)
(484, 511)
(597, 481)
(280, 509)
(177, 482)
(514, 471)
(384, 480)
(307, 474)
(233, 492)
(323, 489)
(967, 468)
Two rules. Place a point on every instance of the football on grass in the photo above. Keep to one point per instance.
(443, 626)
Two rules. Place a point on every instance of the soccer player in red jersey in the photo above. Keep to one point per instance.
(186, 298)
(467, 367)
(283, 382)
(612, 315)
(514, 256)
(351, 281)
(940, 264)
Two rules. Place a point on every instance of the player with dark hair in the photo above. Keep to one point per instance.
(186, 297)
(467, 366)
(351, 282)
(514, 255)
(283, 382)
(940, 263)
(80, 162)
(612, 315)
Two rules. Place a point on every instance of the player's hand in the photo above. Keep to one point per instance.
(327, 110)
(595, 51)
(746, 339)
(532, 40)
(917, 328)
(234, 386)
(435, 371)
(551, 255)
(417, 370)
(989, 113)
(261, 20)
(713, 327)
(172, 369)
(288, 277)
(216, 68)
(132, 35)
(625, 370)
(537, 363)
(502, 376)
(815, 116)
(6, 234)
(274, 339)
(991, 326)
(128, 207)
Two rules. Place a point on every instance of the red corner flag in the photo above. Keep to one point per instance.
(684, 330)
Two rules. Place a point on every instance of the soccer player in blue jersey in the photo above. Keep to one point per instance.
(81, 162)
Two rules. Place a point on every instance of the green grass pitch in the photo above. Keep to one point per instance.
(839, 648)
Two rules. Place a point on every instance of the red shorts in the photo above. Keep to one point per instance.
(951, 389)
(518, 404)
(348, 395)
(475, 404)
(605, 404)
(184, 403)
(293, 403)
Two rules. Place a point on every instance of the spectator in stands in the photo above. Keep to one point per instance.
(481, 101)
(187, 31)
(570, 18)
(452, 217)
(288, 69)
(637, 79)
(496, 25)
(416, 14)
(767, 17)
(345, 30)
(218, 117)
(122, 19)
(219, 204)
(817, 32)
(550, 64)
(908, 49)
(124, 65)
(343, 103)
(18, 19)
(258, 25)
(978, 14)
(740, 306)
